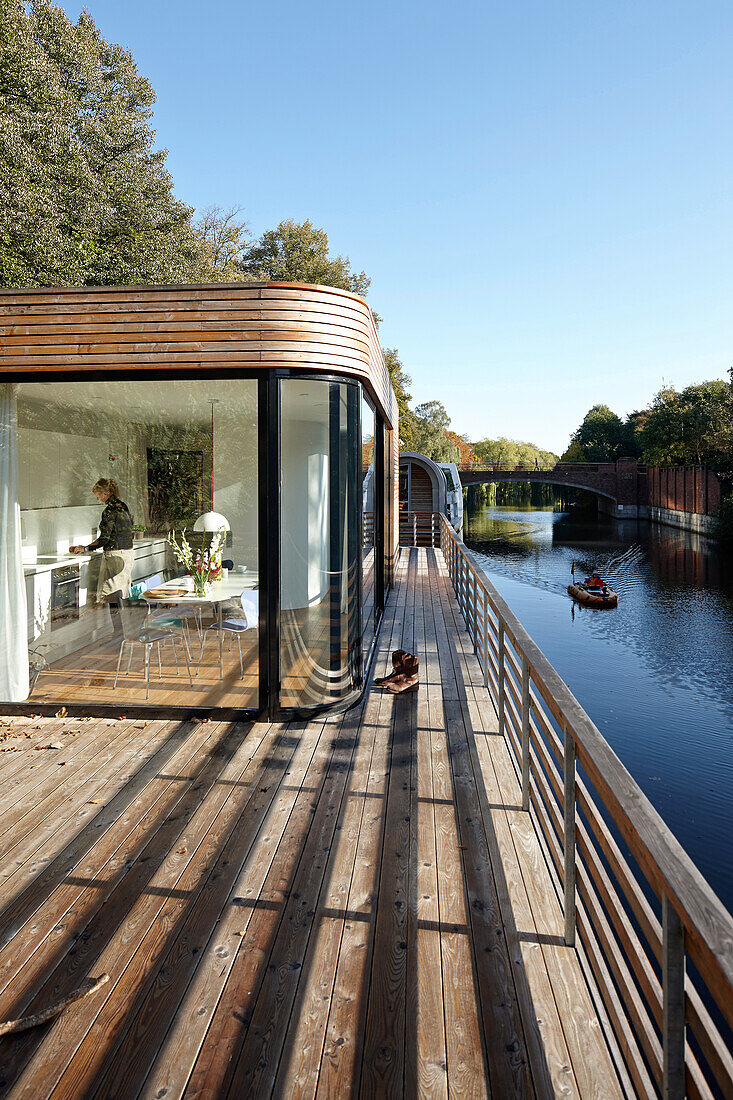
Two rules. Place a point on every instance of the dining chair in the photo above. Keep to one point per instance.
(236, 626)
(183, 612)
(139, 629)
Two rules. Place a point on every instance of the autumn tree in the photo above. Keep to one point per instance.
(85, 198)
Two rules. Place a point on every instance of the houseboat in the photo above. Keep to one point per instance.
(256, 422)
(427, 488)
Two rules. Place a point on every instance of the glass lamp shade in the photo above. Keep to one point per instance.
(212, 521)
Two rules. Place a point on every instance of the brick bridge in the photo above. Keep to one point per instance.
(622, 483)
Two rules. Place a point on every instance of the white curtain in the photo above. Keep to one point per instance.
(13, 613)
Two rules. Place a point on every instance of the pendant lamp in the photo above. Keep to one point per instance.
(211, 520)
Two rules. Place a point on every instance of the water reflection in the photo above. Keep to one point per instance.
(654, 673)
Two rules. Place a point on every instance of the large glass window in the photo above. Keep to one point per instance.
(108, 476)
(320, 560)
(368, 524)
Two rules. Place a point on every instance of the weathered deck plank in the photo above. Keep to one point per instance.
(352, 906)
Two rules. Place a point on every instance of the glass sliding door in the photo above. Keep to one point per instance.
(110, 473)
(369, 496)
(320, 560)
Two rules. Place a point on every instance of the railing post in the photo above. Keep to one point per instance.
(525, 733)
(569, 818)
(414, 528)
(486, 638)
(673, 1007)
(475, 614)
(500, 701)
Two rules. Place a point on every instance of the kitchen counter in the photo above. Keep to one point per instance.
(45, 562)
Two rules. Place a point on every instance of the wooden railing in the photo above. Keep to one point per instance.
(420, 528)
(638, 905)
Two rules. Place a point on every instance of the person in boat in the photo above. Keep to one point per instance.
(595, 585)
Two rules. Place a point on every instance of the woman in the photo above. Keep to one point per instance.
(115, 539)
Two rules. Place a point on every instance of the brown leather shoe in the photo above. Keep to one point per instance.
(409, 680)
(398, 657)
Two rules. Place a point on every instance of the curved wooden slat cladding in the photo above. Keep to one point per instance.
(207, 327)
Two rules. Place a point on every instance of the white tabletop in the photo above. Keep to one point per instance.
(228, 588)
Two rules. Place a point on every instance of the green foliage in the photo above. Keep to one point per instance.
(510, 452)
(84, 196)
(400, 381)
(694, 427)
(690, 428)
(225, 239)
(298, 252)
(429, 425)
(602, 437)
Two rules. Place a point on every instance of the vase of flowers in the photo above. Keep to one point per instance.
(203, 566)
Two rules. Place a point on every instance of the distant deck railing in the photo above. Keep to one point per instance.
(419, 528)
(640, 920)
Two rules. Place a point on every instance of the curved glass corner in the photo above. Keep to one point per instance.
(320, 542)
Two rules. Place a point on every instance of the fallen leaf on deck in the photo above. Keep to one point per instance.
(62, 713)
(56, 745)
(94, 802)
(181, 851)
(62, 763)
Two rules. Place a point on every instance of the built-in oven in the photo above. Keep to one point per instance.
(64, 595)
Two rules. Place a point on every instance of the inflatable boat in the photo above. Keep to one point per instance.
(592, 599)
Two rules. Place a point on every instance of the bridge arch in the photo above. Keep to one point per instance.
(621, 485)
(501, 478)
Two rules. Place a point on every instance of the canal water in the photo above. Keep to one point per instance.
(655, 674)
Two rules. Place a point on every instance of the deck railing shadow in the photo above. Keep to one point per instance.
(80, 950)
(654, 936)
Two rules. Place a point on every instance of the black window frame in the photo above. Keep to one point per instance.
(268, 447)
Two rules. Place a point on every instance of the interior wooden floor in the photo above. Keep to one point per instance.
(353, 906)
(88, 674)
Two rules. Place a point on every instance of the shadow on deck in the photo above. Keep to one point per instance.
(350, 906)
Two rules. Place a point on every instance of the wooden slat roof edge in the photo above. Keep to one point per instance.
(165, 287)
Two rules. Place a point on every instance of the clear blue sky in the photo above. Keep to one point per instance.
(540, 191)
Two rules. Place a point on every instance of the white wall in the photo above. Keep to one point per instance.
(304, 501)
(235, 475)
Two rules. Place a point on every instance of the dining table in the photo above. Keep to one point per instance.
(180, 591)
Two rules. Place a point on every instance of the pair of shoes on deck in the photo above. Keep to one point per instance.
(404, 676)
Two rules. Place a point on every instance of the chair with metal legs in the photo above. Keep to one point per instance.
(163, 617)
(236, 626)
(139, 629)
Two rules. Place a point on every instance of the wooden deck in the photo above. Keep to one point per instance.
(352, 906)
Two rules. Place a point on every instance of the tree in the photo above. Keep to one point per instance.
(465, 450)
(84, 196)
(692, 427)
(510, 452)
(225, 239)
(600, 438)
(430, 438)
(400, 380)
(298, 252)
